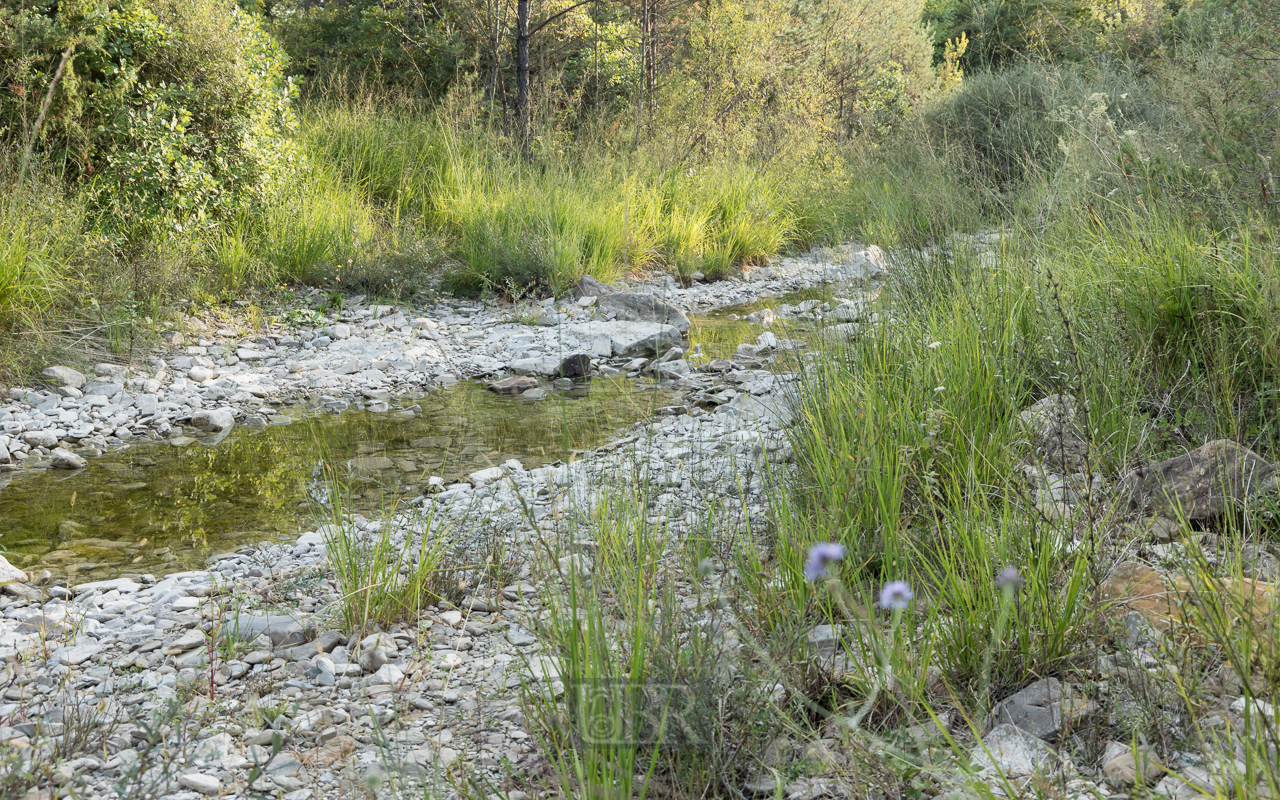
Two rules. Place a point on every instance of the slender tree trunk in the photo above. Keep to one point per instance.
(522, 69)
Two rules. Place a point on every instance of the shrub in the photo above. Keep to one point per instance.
(172, 113)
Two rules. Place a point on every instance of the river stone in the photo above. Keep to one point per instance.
(1120, 765)
(221, 751)
(9, 573)
(387, 675)
(1201, 484)
(47, 439)
(1011, 751)
(214, 420)
(483, 476)
(588, 286)
(520, 637)
(636, 307)
(282, 629)
(514, 384)
(121, 585)
(577, 365)
(187, 641)
(78, 654)
(61, 458)
(371, 463)
(631, 339)
(1043, 707)
(69, 377)
(5, 457)
(199, 782)
(539, 365)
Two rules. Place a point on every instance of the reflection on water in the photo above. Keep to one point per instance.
(721, 331)
(161, 507)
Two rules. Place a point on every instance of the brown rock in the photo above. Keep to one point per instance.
(1121, 765)
(1167, 599)
(339, 749)
(1203, 483)
(514, 384)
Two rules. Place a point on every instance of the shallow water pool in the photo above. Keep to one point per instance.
(162, 507)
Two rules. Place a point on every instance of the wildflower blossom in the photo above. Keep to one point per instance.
(896, 596)
(1009, 578)
(821, 556)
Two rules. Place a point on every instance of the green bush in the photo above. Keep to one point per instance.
(171, 113)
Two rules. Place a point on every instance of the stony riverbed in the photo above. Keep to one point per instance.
(238, 678)
(126, 648)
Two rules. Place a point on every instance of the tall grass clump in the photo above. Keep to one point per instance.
(315, 227)
(41, 246)
(382, 576)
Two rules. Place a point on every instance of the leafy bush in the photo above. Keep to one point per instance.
(172, 113)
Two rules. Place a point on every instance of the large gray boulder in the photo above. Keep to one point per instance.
(213, 421)
(588, 286)
(9, 573)
(66, 375)
(632, 339)
(635, 307)
(1011, 752)
(1043, 707)
(62, 458)
(281, 629)
(1201, 484)
(47, 439)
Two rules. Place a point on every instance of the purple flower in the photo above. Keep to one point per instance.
(821, 556)
(896, 595)
(1008, 579)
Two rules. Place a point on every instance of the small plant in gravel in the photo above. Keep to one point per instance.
(380, 578)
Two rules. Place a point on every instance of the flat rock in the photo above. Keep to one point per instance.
(122, 585)
(482, 477)
(370, 463)
(520, 637)
(9, 573)
(1014, 753)
(190, 640)
(199, 782)
(46, 439)
(66, 375)
(283, 630)
(1165, 599)
(213, 421)
(538, 365)
(78, 654)
(1043, 708)
(514, 384)
(61, 458)
(1201, 484)
(636, 307)
(631, 339)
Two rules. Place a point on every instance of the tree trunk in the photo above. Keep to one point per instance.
(522, 68)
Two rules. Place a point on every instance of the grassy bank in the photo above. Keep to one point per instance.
(397, 200)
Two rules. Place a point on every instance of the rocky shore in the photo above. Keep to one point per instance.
(209, 378)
